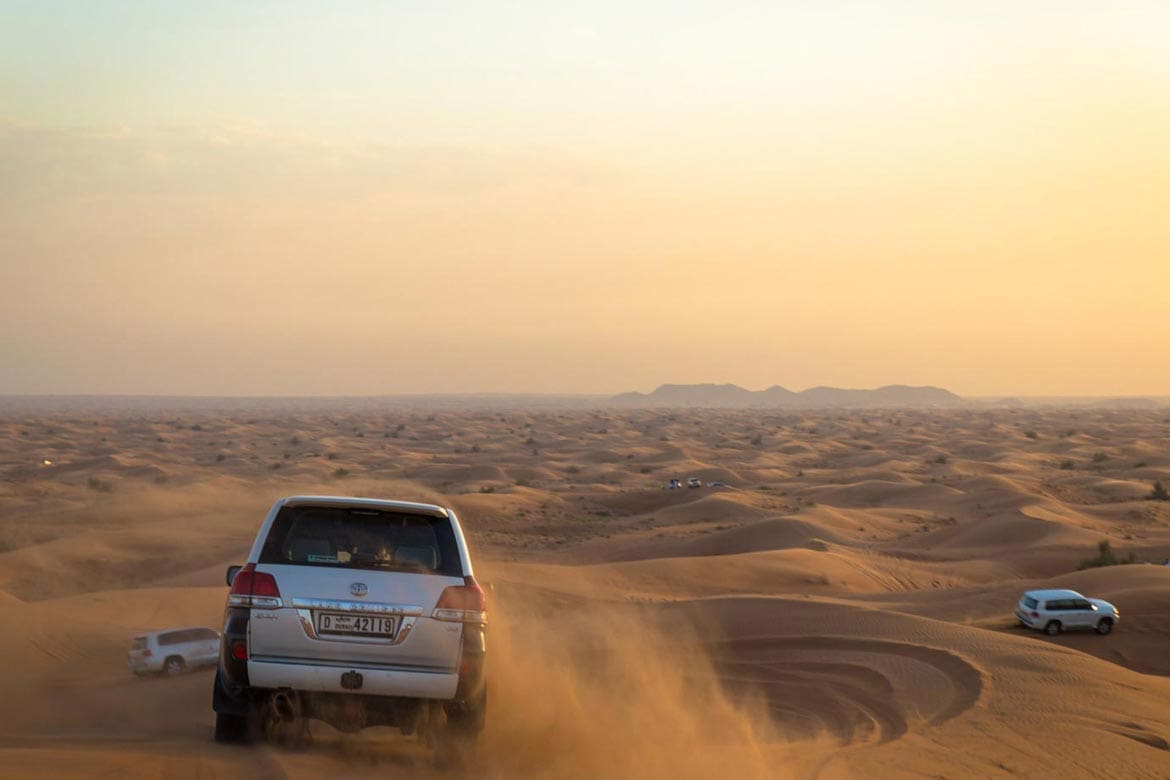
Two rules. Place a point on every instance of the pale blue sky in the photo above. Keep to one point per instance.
(534, 72)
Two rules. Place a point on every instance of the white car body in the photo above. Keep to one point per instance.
(173, 650)
(1053, 611)
(338, 617)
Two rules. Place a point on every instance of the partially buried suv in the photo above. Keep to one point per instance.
(358, 612)
(1053, 611)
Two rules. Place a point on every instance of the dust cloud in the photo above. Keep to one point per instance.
(596, 690)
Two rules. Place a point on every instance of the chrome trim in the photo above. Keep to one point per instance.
(460, 615)
(338, 605)
(284, 660)
(255, 602)
(407, 614)
(405, 626)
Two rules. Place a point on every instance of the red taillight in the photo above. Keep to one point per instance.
(1035, 614)
(251, 588)
(242, 582)
(264, 585)
(466, 603)
(146, 653)
(240, 651)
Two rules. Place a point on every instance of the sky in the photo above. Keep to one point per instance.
(364, 198)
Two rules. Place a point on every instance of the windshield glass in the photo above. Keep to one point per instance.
(362, 539)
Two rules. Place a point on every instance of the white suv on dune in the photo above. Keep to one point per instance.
(1053, 611)
(359, 612)
(173, 651)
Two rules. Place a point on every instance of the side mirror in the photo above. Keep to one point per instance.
(232, 571)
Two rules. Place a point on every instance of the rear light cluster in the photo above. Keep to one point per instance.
(464, 603)
(255, 589)
(1035, 614)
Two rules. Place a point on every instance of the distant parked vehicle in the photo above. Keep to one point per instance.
(1053, 611)
(674, 484)
(716, 484)
(173, 651)
(694, 482)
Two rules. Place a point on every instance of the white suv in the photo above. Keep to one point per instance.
(359, 612)
(172, 651)
(1053, 611)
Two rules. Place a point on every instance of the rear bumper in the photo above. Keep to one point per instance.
(406, 683)
(143, 665)
(1024, 618)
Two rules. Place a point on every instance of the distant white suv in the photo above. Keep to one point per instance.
(359, 612)
(172, 651)
(1053, 611)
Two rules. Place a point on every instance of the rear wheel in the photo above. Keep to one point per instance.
(174, 665)
(1053, 628)
(237, 718)
(455, 743)
(467, 718)
(1105, 626)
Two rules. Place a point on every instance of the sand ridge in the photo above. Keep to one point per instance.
(840, 608)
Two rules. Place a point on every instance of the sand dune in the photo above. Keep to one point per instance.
(843, 608)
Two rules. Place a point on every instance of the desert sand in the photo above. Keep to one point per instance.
(842, 608)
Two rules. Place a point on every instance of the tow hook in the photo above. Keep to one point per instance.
(351, 681)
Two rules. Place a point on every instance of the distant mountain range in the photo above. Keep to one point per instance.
(735, 397)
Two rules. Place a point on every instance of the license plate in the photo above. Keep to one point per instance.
(361, 625)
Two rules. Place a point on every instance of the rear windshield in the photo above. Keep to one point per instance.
(1030, 602)
(346, 538)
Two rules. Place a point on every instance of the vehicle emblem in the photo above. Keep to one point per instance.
(359, 589)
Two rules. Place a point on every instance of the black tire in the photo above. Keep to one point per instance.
(455, 744)
(1105, 626)
(231, 729)
(1053, 628)
(174, 665)
(467, 719)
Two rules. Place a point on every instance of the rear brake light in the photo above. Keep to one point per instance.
(464, 603)
(146, 653)
(1035, 614)
(255, 589)
(240, 651)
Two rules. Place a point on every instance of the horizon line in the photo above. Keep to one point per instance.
(552, 394)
